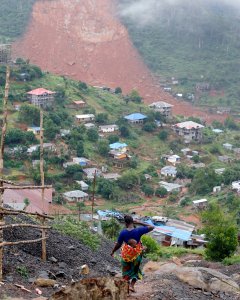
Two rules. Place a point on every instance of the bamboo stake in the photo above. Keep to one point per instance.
(25, 187)
(44, 251)
(24, 225)
(93, 193)
(11, 211)
(3, 244)
(3, 135)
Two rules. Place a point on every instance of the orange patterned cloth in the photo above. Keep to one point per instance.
(129, 253)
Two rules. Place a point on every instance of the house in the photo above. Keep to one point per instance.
(148, 177)
(64, 132)
(169, 171)
(111, 176)
(34, 129)
(236, 186)
(76, 196)
(41, 97)
(191, 131)
(217, 130)
(15, 199)
(200, 204)
(198, 165)
(120, 147)
(82, 161)
(224, 158)
(186, 151)
(108, 128)
(79, 104)
(171, 187)
(84, 185)
(90, 172)
(85, 118)
(135, 118)
(174, 159)
(31, 149)
(163, 107)
(217, 189)
(219, 171)
(228, 146)
(46, 146)
(5, 53)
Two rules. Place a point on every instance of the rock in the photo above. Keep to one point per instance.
(62, 265)
(43, 282)
(72, 247)
(177, 261)
(84, 270)
(93, 261)
(31, 280)
(192, 277)
(94, 288)
(216, 284)
(61, 274)
(51, 275)
(43, 274)
(236, 277)
(53, 259)
(9, 278)
(152, 266)
(20, 260)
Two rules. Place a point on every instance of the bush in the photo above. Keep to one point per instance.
(231, 260)
(221, 231)
(111, 228)
(78, 230)
(163, 135)
(161, 192)
(152, 245)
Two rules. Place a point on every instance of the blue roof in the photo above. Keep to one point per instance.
(135, 117)
(35, 128)
(117, 145)
(174, 232)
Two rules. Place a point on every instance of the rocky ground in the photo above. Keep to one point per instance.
(65, 256)
(179, 279)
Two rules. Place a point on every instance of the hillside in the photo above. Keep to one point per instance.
(194, 41)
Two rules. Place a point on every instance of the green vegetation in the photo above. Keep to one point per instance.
(77, 230)
(14, 17)
(221, 231)
(23, 271)
(192, 41)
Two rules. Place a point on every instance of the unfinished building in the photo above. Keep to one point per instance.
(5, 53)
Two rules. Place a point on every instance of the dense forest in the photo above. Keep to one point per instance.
(191, 40)
(14, 16)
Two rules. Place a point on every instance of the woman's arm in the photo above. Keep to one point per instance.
(116, 247)
(150, 227)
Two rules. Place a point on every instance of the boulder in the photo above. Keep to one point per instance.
(84, 270)
(94, 289)
(43, 282)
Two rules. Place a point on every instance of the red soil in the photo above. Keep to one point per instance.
(86, 41)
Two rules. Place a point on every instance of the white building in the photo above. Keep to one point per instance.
(76, 196)
(171, 187)
(191, 131)
(174, 159)
(108, 128)
(228, 146)
(202, 203)
(236, 186)
(84, 185)
(163, 107)
(85, 118)
(169, 171)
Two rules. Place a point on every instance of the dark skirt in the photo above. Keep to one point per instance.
(131, 270)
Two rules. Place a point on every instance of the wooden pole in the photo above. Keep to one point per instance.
(44, 251)
(3, 135)
(93, 193)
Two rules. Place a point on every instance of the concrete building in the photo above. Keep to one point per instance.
(163, 107)
(135, 118)
(41, 97)
(228, 146)
(108, 128)
(191, 131)
(171, 187)
(85, 118)
(200, 204)
(169, 171)
(76, 196)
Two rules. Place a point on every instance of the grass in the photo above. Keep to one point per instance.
(231, 260)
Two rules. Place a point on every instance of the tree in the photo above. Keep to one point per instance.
(163, 135)
(111, 228)
(118, 90)
(128, 180)
(124, 131)
(149, 126)
(148, 190)
(221, 232)
(113, 138)
(106, 188)
(231, 124)
(196, 159)
(80, 148)
(102, 118)
(74, 172)
(82, 86)
(29, 114)
(134, 96)
(26, 203)
(50, 129)
(103, 147)
(161, 192)
(92, 135)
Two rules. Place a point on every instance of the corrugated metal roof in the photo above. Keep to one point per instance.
(135, 117)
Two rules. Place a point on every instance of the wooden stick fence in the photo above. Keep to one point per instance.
(3, 187)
